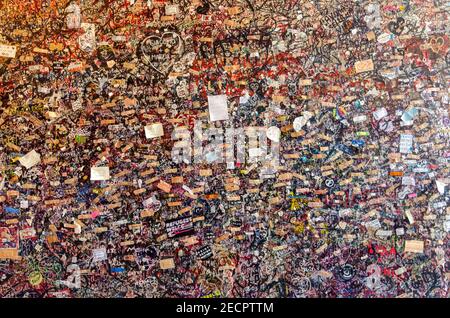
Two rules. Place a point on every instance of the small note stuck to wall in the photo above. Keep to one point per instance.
(8, 51)
(414, 246)
(99, 173)
(99, 254)
(154, 131)
(364, 66)
(30, 159)
(171, 9)
(218, 108)
(167, 263)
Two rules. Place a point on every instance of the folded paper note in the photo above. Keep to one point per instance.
(30, 159)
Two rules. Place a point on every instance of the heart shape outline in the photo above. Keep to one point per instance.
(147, 48)
(397, 27)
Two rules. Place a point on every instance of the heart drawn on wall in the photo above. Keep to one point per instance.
(160, 52)
(397, 27)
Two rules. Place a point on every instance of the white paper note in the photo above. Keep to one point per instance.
(154, 131)
(171, 9)
(99, 173)
(301, 121)
(441, 186)
(30, 159)
(408, 181)
(8, 50)
(360, 119)
(218, 108)
(406, 143)
(273, 133)
(380, 113)
(99, 254)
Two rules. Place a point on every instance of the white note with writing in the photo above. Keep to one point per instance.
(154, 131)
(218, 108)
(406, 142)
(380, 113)
(99, 254)
(408, 181)
(8, 50)
(30, 159)
(171, 9)
(99, 173)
